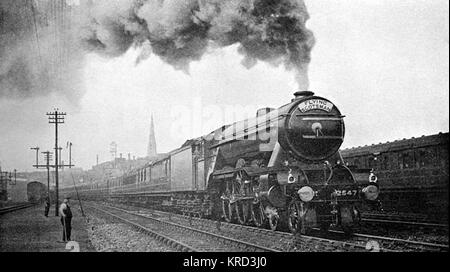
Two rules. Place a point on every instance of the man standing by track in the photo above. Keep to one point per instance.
(47, 206)
(66, 219)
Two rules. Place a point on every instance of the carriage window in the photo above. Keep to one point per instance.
(366, 162)
(425, 157)
(442, 161)
(401, 164)
(385, 162)
(396, 161)
(408, 160)
(159, 172)
(421, 160)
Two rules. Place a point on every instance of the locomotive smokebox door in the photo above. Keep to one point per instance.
(314, 129)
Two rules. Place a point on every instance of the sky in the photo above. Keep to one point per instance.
(384, 64)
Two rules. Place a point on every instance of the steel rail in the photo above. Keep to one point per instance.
(401, 222)
(387, 242)
(287, 235)
(161, 237)
(235, 242)
(15, 208)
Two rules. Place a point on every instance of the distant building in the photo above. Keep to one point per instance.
(120, 166)
(151, 148)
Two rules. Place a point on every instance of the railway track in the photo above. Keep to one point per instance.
(385, 243)
(275, 240)
(183, 238)
(331, 241)
(420, 221)
(438, 226)
(15, 208)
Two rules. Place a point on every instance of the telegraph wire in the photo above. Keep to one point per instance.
(33, 11)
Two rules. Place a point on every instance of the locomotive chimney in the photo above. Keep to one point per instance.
(302, 94)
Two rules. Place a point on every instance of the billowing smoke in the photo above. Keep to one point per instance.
(39, 52)
(43, 41)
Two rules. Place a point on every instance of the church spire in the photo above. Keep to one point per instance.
(151, 149)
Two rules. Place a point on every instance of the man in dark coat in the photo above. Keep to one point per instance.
(47, 206)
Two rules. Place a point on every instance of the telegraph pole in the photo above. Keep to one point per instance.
(56, 118)
(59, 155)
(48, 155)
(37, 151)
(70, 154)
(48, 158)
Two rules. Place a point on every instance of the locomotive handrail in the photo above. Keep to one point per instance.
(321, 137)
(251, 171)
(319, 114)
(322, 118)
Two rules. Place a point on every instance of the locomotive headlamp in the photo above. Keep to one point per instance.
(291, 178)
(373, 177)
(306, 193)
(371, 192)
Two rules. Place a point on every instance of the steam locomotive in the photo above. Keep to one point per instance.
(280, 169)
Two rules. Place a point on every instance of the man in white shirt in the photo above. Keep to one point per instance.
(66, 219)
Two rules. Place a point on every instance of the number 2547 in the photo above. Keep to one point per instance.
(346, 192)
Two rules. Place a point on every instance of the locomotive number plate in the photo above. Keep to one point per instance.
(314, 104)
(346, 192)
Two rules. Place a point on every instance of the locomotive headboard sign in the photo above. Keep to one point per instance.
(315, 104)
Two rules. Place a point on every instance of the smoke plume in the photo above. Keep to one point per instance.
(39, 52)
(43, 42)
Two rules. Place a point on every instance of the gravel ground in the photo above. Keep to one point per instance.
(107, 236)
(408, 233)
(423, 236)
(280, 241)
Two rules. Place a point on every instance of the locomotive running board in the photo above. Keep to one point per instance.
(250, 171)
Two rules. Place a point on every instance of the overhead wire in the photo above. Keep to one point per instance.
(33, 12)
(55, 36)
(60, 37)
